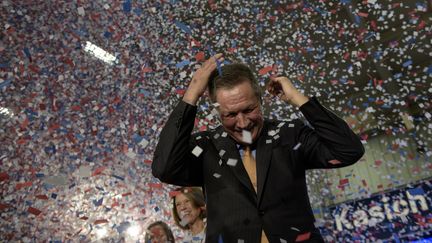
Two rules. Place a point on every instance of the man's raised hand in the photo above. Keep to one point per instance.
(198, 85)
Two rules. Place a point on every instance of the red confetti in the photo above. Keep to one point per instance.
(3, 206)
(4, 176)
(363, 14)
(24, 184)
(99, 170)
(43, 197)
(53, 127)
(76, 108)
(147, 161)
(335, 162)
(34, 211)
(265, 70)
(343, 182)
(156, 185)
(180, 91)
(421, 25)
(126, 194)
(200, 56)
(101, 221)
(22, 141)
(146, 70)
(173, 193)
(303, 237)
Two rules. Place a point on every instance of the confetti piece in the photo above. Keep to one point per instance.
(81, 11)
(98, 170)
(247, 136)
(100, 221)
(4, 176)
(34, 211)
(182, 64)
(127, 6)
(42, 197)
(232, 162)
(200, 56)
(335, 162)
(183, 27)
(265, 70)
(303, 237)
(197, 151)
(222, 152)
(23, 185)
(4, 206)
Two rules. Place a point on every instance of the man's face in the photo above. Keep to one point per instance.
(240, 110)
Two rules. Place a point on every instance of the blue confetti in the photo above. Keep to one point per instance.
(220, 240)
(429, 70)
(183, 27)
(118, 177)
(127, 6)
(97, 203)
(107, 34)
(5, 83)
(182, 63)
(416, 191)
(407, 63)
(27, 53)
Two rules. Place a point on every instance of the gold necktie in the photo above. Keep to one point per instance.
(250, 165)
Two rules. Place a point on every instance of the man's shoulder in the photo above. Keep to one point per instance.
(272, 124)
(208, 133)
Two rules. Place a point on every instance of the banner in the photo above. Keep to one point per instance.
(399, 215)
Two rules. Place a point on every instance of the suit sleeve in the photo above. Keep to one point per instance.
(330, 143)
(173, 161)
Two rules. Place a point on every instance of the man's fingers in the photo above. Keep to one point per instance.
(213, 61)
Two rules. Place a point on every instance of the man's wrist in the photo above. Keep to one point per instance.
(190, 98)
(299, 100)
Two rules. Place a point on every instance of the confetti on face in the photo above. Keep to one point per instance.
(247, 137)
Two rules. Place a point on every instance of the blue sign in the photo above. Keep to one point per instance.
(400, 215)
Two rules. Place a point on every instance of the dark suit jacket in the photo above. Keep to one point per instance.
(284, 150)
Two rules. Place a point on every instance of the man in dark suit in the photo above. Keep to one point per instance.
(252, 170)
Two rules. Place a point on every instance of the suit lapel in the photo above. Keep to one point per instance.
(263, 159)
(228, 145)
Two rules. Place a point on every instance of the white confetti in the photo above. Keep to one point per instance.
(232, 162)
(81, 11)
(221, 152)
(247, 137)
(197, 151)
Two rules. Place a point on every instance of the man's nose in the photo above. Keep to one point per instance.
(242, 121)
